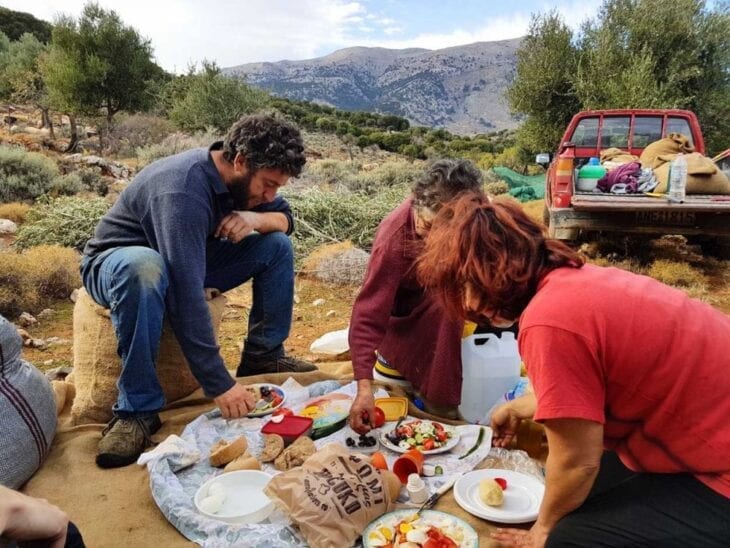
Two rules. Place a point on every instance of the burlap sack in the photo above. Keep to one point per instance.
(617, 155)
(674, 143)
(97, 365)
(703, 176)
(332, 496)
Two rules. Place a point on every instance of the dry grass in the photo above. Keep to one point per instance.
(32, 280)
(15, 211)
(534, 209)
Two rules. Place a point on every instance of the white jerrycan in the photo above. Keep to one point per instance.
(490, 366)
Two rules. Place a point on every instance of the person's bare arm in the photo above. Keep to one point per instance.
(238, 224)
(507, 417)
(576, 446)
(24, 518)
(364, 404)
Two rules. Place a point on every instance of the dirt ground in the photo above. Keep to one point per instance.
(310, 322)
(312, 318)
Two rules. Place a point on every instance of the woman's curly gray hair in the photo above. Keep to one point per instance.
(266, 141)
(444, 180)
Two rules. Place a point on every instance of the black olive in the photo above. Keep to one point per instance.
(350, 442)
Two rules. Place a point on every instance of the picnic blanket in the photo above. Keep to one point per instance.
(116, 507)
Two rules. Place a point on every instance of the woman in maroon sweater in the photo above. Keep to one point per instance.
(394, 316)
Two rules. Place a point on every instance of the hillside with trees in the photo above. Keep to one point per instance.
(632, 54)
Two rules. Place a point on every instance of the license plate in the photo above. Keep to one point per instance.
(672, 218)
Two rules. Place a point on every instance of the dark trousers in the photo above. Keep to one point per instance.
(653, 510)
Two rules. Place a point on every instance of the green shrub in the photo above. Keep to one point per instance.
(24, 175)
(31, 280)
(174, 144)
(335, 215)
(67, 185)
(67, 221)
(137, 131)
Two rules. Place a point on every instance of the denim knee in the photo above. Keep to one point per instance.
(280, 245)
(144, 269)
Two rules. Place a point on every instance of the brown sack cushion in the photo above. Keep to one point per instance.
(674, 143)
(97, 365)
(617, 155)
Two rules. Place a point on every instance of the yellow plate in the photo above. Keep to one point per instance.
(394, 408)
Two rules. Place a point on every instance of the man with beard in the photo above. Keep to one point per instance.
(205, 218)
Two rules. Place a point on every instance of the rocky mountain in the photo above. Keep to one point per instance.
(459, 88)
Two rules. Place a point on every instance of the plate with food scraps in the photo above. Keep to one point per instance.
(521, 495)
(405, 526)
(429, 437)
(269, 398)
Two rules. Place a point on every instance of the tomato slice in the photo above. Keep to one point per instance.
(428, 444)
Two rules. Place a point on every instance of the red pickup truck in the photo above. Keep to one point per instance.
(568, 212)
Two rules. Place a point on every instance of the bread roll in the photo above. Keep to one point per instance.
(295, 455)
(245, 462)
(224, 451)
(273, 446)
(490, 493)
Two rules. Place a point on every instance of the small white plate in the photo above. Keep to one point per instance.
(448, 446)
(522, 497)
(274, 388)
(244, 499)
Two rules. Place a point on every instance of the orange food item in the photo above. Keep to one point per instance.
(377, 459)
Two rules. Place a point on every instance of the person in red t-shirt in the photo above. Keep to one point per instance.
(631, 380)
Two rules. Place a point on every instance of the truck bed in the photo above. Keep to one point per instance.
(707, 215)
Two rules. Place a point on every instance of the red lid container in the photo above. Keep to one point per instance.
(290, 427)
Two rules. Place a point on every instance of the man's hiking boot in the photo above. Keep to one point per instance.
(284, 364)
(124, 439)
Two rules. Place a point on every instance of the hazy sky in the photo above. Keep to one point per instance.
(235, 32)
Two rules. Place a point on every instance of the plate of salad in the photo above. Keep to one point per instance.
(429, 437)
(269, 398)
(431, 529)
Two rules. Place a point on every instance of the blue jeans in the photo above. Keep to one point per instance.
(132, 282)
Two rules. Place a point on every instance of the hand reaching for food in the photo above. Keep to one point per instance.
(236, 402)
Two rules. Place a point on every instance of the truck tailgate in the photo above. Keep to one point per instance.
(698, 214)
(628, 202)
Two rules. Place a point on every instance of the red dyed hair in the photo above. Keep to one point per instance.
(493, 247)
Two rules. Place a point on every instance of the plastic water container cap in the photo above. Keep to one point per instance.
(594, 161)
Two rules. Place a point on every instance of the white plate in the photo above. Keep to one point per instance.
(431, 517)
(522, 497)
(273, 388)
(389, 426)
(244, 498)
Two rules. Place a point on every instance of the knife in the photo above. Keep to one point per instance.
(431, 500)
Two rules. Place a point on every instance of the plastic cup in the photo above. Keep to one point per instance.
(411, 462)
